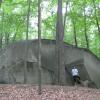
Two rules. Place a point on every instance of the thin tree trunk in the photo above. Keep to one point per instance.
(1, 37)
(6, 39)
(85, 29)
(74, 31)
(39, 47)
(26, 46)
(65, 16)
(86, 36)
(96, 18)
(61, 78)
(14, 37)
(1, 34)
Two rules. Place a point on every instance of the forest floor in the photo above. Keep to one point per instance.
(30, 92)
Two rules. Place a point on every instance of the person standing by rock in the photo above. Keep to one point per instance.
(75, 75)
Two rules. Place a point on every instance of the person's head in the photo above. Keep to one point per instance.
(74, 67)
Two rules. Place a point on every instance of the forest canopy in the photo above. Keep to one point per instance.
(81, 19)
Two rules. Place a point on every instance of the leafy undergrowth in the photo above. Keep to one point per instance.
(30, 92)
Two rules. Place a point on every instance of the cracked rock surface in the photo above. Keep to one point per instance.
(30, 92)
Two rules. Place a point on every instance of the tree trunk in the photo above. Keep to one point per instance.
(61, 78)
(26, 46)
(6, 39)
(74, 31)
(85, 29)
(39, 46)
(65, 16)
(1, 34)
(14, 37)
(96, 18)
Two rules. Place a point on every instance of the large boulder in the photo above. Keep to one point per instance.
(13, 57)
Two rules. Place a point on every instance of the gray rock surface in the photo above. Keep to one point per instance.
(12, 59)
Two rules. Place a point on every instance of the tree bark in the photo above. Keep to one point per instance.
(2, 26)
(65, 16)
(6, 39)
(26, 46)
(61, 78)
(85, 28)
(39, 47)
(14, 37)
(74, 31)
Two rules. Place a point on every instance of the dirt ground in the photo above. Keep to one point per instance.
(30, 92)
